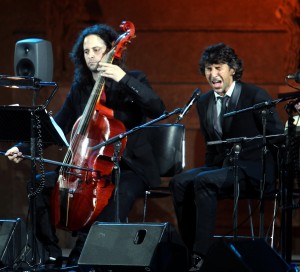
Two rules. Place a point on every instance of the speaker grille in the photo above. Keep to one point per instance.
(25, 67)
(33, 57)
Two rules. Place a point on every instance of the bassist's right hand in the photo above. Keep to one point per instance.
(14, 154)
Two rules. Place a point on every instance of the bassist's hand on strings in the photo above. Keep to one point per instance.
(111, 71)
(14, 154)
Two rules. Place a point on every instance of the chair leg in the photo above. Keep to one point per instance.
(145, 205)
(262, 218)
(273, 222)
(250, 219)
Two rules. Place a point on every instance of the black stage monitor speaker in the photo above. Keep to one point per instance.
(243, 256)
(133, 247)
(12, 242)
(34, 58)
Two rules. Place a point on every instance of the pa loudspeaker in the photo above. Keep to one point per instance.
(34, 58)
(133, 247)
(12, 242)
(243, 256)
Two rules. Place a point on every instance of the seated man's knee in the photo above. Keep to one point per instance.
(203, 180)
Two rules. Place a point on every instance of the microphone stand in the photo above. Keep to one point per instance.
(32, 189)
(262, 105)
(263, 172)
(287, 175)
(35, 84)
(123, 135)
(116, 141)
(116, 177)
(263, 179)
(237, 146)
(236, 190)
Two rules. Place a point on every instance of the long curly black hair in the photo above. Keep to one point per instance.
(82, 74)
(221, 53)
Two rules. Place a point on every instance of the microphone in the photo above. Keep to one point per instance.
(296, 77)
(190, 103)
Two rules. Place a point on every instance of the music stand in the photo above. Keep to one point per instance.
(16, 121)
(29, 125)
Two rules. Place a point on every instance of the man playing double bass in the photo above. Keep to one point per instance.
(130, 96)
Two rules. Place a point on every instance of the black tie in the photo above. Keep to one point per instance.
(219, 119)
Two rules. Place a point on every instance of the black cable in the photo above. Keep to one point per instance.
(41, 163)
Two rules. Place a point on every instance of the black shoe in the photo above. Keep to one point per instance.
(197, 263)
(73, 259)
(54, 263)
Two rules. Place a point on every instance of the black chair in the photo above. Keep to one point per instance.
(168, 144)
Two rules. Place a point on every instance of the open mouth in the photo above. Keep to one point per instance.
(217, 83)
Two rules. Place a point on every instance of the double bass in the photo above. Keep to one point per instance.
(79, 195)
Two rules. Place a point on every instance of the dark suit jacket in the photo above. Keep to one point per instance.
(247, 124)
